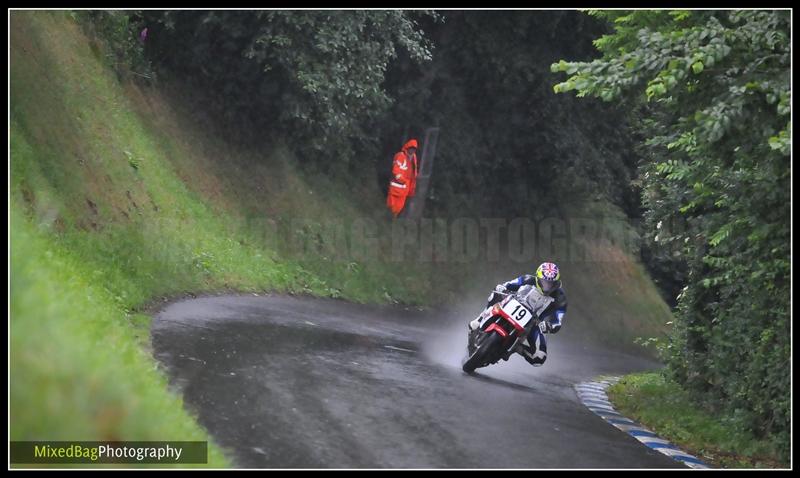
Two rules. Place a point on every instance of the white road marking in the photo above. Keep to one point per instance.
(400, 349)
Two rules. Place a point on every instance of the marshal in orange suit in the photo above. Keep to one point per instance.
(404, 177)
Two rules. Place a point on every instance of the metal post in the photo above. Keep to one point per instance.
(417, 203)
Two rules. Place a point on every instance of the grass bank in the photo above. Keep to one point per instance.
(661, 405)
(79, 367)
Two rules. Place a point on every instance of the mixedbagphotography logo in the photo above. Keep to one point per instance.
(148, 452)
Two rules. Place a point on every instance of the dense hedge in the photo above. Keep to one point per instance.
(713, 90)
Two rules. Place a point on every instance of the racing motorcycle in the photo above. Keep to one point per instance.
(504, 325)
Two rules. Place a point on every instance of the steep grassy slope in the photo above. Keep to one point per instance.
(96, 162)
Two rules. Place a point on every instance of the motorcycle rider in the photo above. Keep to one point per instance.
(547, 280)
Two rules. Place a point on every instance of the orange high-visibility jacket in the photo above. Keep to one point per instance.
(404, 178)
(404, 169)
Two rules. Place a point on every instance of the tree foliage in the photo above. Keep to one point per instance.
(315, 76)
(713, 89)
(121, 30)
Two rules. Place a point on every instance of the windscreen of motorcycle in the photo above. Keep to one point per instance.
(534, 300)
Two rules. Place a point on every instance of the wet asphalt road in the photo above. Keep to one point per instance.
(288, 382)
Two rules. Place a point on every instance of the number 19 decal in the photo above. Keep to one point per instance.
(521, 314)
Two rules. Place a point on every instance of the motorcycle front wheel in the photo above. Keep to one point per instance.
(479, 356)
